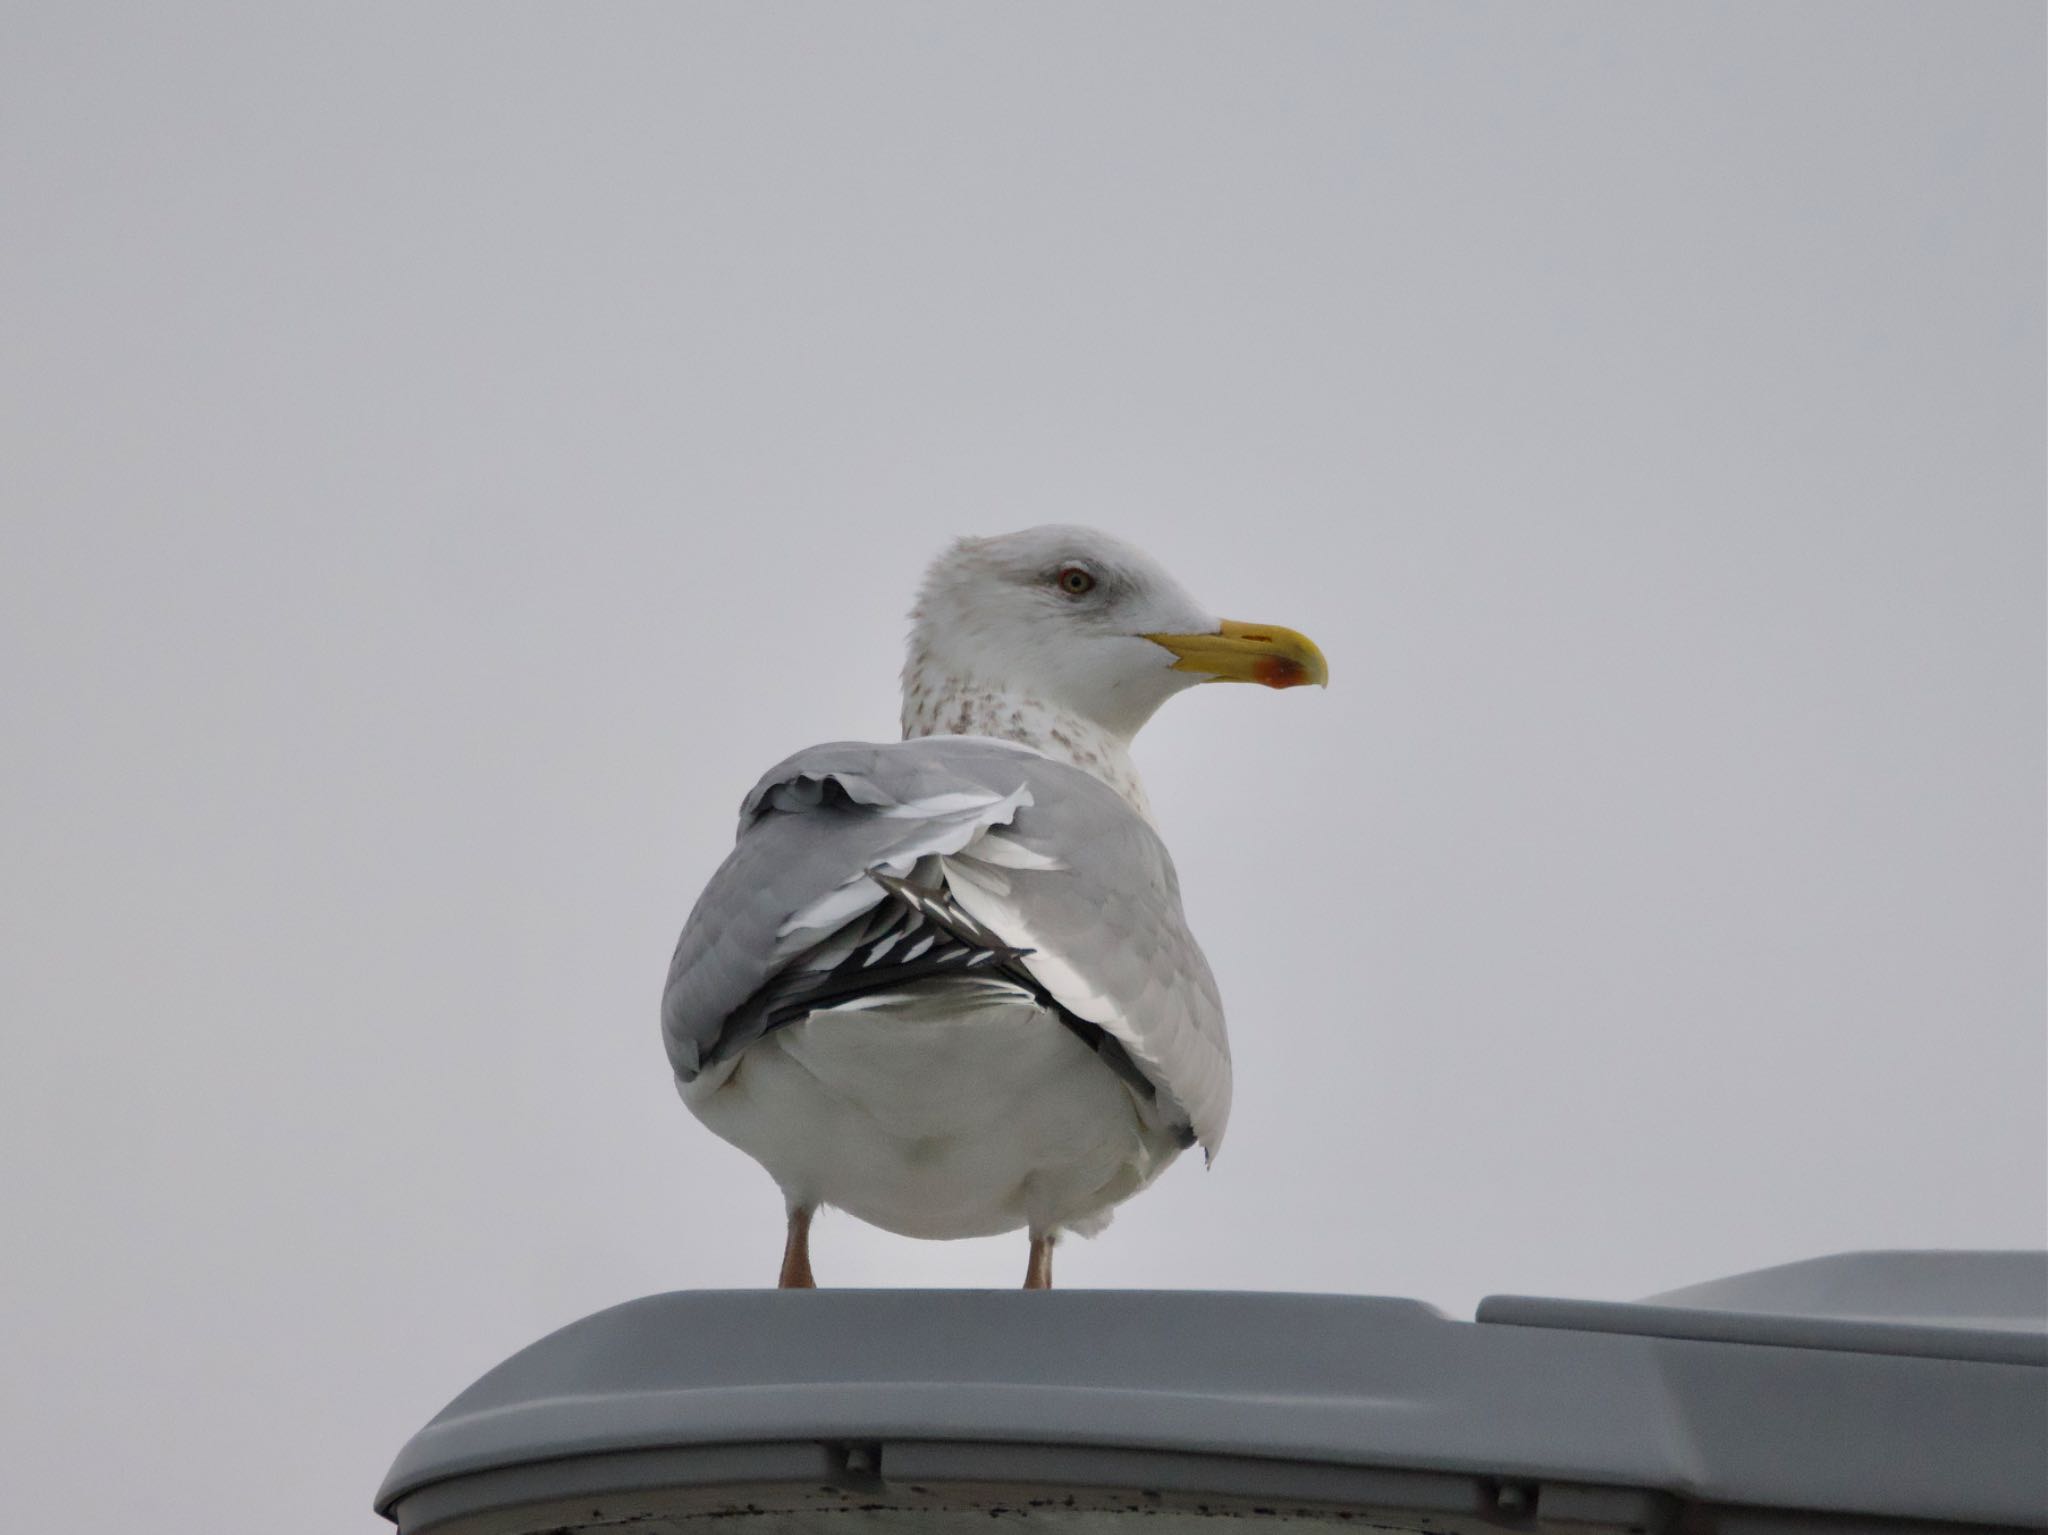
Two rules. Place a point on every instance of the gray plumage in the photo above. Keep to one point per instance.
(1042, 855)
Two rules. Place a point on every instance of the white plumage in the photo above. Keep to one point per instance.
(963, 1112)
(946, 985)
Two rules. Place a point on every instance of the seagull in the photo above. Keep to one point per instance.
(944, 983)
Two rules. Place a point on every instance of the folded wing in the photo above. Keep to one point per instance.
(862, 870)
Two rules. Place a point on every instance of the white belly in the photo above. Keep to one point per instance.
(952, 1117)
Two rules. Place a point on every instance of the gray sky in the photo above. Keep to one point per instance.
(450, 451)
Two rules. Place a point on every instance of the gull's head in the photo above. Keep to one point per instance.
(1085, 624)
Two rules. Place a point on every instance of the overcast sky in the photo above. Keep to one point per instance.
(448, 452)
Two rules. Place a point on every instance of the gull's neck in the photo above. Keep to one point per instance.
(936, 703)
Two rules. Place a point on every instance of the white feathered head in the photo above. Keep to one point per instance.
(1086, 624)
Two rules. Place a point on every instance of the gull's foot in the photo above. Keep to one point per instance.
(796, 1253)
(1038, 1273)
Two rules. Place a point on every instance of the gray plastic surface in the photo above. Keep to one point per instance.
(859, 1411)
(1990, 1306)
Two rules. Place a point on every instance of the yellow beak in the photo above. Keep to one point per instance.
(1280, 658)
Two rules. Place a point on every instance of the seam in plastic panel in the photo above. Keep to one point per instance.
(1963, 1345)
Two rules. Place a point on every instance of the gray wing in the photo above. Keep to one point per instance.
(1061, 878)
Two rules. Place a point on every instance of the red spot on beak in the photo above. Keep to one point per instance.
(1279, 672)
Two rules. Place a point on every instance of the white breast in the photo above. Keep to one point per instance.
(947, 1114)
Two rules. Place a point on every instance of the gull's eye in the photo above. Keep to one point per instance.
(1074, 581)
